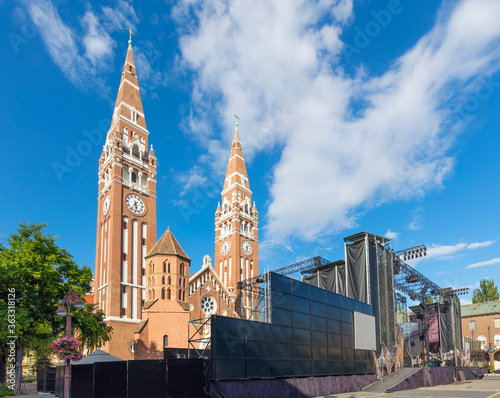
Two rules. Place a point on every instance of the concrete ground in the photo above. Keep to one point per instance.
(487, 387)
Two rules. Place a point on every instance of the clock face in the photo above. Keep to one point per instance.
(224, 249)
(247, 247)
(135, 204)
(105, 205)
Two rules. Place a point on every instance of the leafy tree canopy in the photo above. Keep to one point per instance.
(487, 291)
(40, 273)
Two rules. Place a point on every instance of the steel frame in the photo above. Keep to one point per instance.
(198, 325)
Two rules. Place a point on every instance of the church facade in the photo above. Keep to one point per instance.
(144, 286)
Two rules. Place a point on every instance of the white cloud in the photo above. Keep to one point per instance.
(417, 217)
(247, 62)
(122, 15)
(478, 245)
(484, 263)
(391, 235)
(97, 42)
(191, 179)
(147, 60)
(443, 250)
(59, 40)
(447, 252)
(82, 56)
(464, 301)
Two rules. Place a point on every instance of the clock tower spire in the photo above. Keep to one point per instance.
(126, 216)
(236, 223)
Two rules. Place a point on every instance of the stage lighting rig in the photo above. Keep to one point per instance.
(412, 252)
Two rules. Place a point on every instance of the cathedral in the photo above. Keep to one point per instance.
(143, 285)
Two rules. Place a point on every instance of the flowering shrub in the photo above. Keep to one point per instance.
(67, 348)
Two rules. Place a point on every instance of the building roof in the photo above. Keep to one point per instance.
(480, 309)
(168, 245)
(149, 303)
(97, 356)
(141, 326)
(185, 306)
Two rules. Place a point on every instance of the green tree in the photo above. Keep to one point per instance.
(35, 274)
(487, 291)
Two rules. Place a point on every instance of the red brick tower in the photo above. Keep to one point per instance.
(126, 217)
(236, 224)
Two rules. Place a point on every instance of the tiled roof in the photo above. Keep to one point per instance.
(185, 306)
(149, 303)
(168, 245)
(479, 309)
(140, 326)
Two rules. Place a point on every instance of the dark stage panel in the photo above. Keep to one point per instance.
(311, 333)
(147, 378)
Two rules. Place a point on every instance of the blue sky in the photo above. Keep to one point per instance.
(377, 116)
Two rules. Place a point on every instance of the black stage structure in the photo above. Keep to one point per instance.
(310, 332)
(372, 273)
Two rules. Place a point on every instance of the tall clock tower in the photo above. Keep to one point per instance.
(236, 224)
(126, 216)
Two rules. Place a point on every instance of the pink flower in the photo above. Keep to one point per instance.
(67, 348)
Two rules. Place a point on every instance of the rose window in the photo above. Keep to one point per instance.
(208, 305)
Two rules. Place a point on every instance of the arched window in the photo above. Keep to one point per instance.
(180, 282)
(181, 270)
(483, 341)
(163, 293)
(135, 150)
(165, 341)
(184, 283)
(133, 177)
(164, 266)
(183, 296)
(153, 294)
(180, 295)
(168, 294)
(163, 280)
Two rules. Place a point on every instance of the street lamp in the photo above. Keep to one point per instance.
(72, 298)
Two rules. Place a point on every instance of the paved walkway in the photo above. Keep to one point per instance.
(487, 387)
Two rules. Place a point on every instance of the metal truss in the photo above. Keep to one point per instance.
(302, 265)
(199, 325)
(399, 298)
(412, 252)
(252, 298)
(411, 282)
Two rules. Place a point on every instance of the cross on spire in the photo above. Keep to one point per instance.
(129, 30)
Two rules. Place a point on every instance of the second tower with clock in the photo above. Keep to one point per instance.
(236, 224)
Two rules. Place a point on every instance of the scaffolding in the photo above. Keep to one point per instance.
(253, 298)
(199, 337)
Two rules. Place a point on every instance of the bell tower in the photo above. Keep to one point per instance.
(126, 215)
(236, 224)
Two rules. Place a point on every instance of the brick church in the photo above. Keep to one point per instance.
(144, 286)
